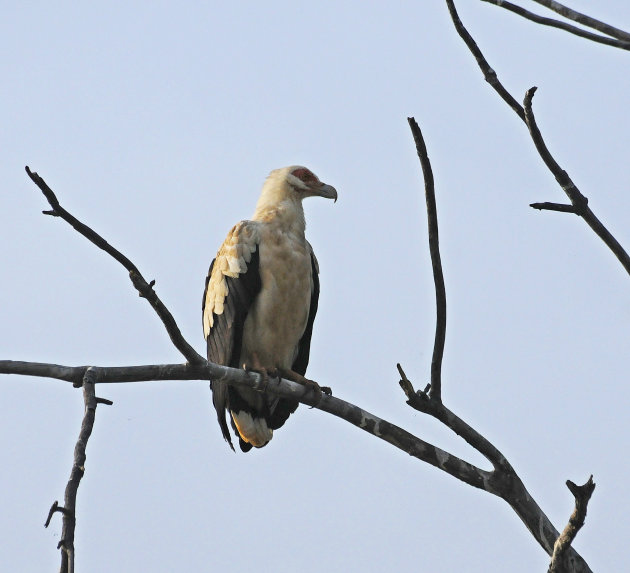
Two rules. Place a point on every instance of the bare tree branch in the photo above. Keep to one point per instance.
(421, 402)
(351, 413)
(578, 201)
(561, 560)
(502, 481)
(435, 392)
(584, 19)
(560, 207)
(614, 42)
(144, 289)
(112, 374)
(488, 73)
(66, 544)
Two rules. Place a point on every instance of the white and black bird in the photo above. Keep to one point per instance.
(260, 301)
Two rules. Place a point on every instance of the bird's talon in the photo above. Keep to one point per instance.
(274, 373)
(264, 376)
(317, 390)
(264, 382)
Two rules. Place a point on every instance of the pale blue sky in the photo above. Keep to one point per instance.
(156, 124)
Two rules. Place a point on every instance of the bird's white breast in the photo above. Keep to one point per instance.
(277, 320)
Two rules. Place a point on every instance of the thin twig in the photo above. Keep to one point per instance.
(561, 560)
(578, 201)
(488, 73)
(112, 374)
(144, 289)
(584, 19)
(606, 40)
(66, 544)
(55, 508)
(561, 207)
(435, 392)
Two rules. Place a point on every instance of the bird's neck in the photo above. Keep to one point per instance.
(288, 215)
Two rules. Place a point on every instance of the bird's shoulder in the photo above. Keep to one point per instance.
(236, 251)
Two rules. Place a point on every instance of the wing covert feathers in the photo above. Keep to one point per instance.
(231, 262)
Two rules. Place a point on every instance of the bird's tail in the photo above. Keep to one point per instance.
(252, 430)
(219, 399)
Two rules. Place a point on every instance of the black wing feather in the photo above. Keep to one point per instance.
(226, 335)
(304, 348)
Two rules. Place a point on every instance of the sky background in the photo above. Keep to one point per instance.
(156, 124)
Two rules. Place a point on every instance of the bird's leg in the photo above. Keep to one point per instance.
(317, 389)
(256, 366)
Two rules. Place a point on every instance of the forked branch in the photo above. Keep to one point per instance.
(561, 559)
(145, 289)
(503, 480)
(66, 544)
(578, 201)
(619, 39)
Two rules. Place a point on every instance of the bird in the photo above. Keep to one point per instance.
(259, 304)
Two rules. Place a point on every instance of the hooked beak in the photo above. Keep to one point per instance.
(327, 191)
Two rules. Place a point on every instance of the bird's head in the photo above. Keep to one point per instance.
(306, 184)
(295, 183)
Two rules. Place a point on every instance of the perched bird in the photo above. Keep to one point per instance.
(259, 304)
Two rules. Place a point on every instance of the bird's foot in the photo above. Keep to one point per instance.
(317, 389)
(261, 386)
(255, 365)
